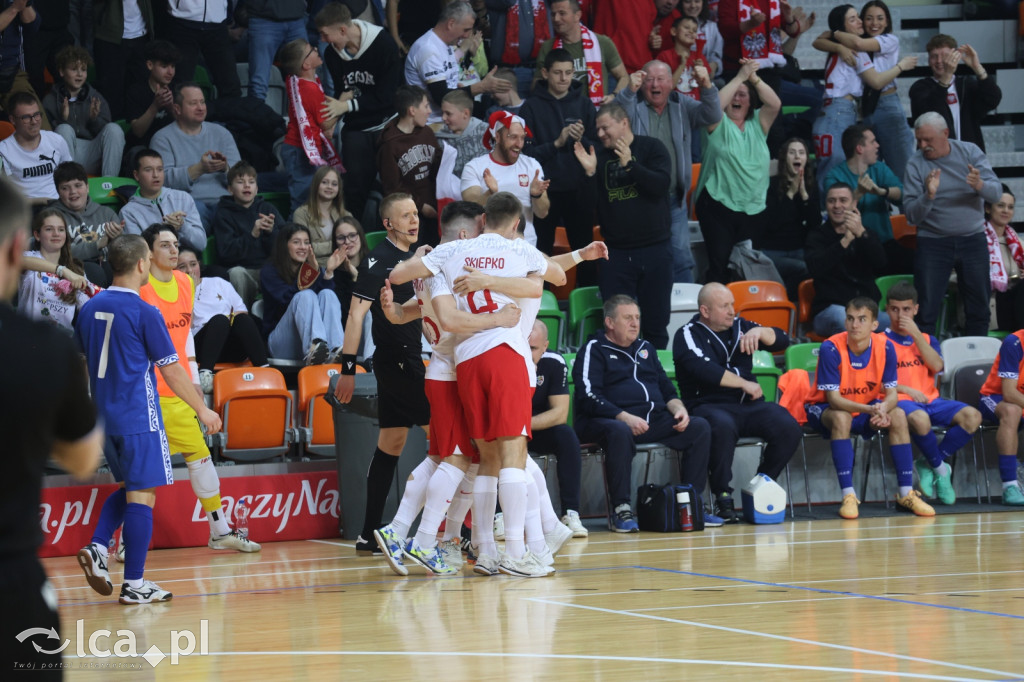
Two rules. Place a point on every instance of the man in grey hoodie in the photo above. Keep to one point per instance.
(154, 203)
(91, 226)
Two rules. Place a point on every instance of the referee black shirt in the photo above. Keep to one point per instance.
(390, 339)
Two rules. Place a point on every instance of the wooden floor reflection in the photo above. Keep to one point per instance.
(889, 598)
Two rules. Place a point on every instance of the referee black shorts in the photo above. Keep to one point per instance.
(401, 400)
(30, 603)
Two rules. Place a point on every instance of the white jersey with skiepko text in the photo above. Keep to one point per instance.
(514, 178)
(442, 343)
(841, 79)
(495, 255)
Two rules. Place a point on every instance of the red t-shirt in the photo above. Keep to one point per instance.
(672, 59)
(312, 96)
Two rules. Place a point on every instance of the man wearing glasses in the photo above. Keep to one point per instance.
(30, 155)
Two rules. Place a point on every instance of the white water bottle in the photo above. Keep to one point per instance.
(242, 518)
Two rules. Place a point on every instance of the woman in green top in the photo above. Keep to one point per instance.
(734, 173)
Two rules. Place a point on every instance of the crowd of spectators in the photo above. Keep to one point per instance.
(590, 111)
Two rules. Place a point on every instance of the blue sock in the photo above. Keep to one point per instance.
(138, 531)
(929, 446)
(842, 457)
(955, 439)
(1008, 468)
(111, 517)
(903, 460)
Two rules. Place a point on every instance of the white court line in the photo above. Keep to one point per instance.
(575, 657)
(794, 543)
(332, 542)
(785, 602)
(798, 640)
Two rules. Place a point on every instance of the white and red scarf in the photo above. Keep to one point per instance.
(592, 57)
(763, 43)
(541, 32)
(996, 269)
(317, 146)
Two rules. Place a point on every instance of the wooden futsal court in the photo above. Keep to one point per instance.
(896, 597)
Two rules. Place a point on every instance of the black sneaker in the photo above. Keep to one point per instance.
(725, 508)
(318, 353)
(367, 547)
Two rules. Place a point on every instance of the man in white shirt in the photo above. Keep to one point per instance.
(432, 63)
(31, 154)
(507, 169)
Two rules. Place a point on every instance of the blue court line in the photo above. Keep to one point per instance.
(819, 590)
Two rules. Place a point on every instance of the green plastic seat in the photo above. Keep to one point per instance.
(548, 301)
(282, 201)
(998, 334)
(885, 283)
(555, 322)
(583, 302)
(803, 356)
(767, 374)
(374, 238)
(209, 255)
(101, 189)
(667, 363)
(570, 360)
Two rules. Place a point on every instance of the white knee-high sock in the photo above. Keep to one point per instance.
(548, 518)
(534, 532)
(512, 493)
(444, 485)
(460, 505)
(413, 497)
(485, 499)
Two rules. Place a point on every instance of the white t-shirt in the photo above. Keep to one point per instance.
(888, 53)
(495, 255)
(841, 79)
(515, 179)
(430, 60)
(442, 343)
(32, 170)
(214, 296)
(953, 100)
(37, 299)
(134, 24)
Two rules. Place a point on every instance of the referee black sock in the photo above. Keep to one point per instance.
(379, 479)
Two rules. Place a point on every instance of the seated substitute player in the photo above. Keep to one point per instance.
(124, 339)
(918, 361)
(1002, 401)
(857, 395)
(173, 294)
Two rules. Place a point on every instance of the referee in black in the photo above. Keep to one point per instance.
(397, 359)
(45, 411)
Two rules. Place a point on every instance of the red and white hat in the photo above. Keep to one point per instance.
(498, 120)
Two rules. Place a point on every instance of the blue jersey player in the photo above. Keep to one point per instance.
(124, 339)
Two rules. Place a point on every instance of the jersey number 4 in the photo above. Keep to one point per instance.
(489, 305)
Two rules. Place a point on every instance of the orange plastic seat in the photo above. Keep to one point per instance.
(561, 244)
(694, 177)
(221, 366)
(806, 299)
(315, 415)
(598, 237)
(902, 231)
(6, 130)
(256, 408)
(764, 302)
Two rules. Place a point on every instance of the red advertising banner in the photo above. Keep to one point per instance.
(299, 506)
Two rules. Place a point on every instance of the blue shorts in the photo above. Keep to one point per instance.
(861, 425)
(140, 460)
(940, 411)
(987, 407)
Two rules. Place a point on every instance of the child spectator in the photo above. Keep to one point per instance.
(322, 211)
(154, 203)
(301, 315)
(91, 226)
(223, 328)
(244, 226)
(45, 296)
(409, 155)
(709, 40)
(683, 55)
(460, 129)
(509, 100)
(149, 105)
(307, 144)
(80, 115)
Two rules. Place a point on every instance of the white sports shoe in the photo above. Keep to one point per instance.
(557, 537)
(149, 592)
(94, 565)
(486, 565)
(546, 559)
(233, 540)
(119, 554)
(451, 552)
(527, 567)
(499, 526)
(572, 519)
